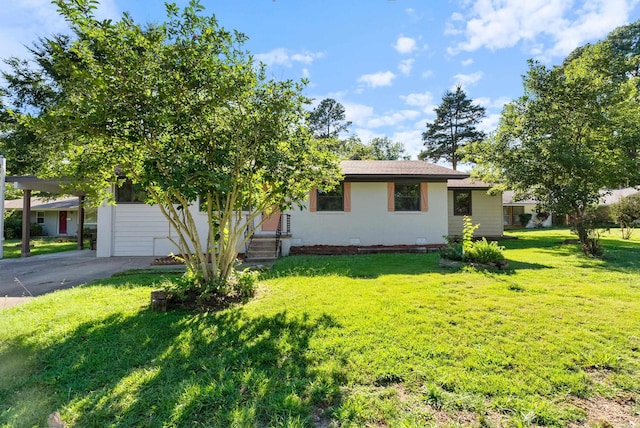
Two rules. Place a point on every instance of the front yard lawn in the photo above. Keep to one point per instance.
(44, 245)
(370, 340)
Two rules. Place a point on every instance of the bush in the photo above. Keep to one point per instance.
(524, 219)
(626, 213)
(485, 252)
(35, 229)
(13, 225)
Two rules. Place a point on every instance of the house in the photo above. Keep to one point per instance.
(471, 197)
(378, 203)
(512, 208)
(58, 216)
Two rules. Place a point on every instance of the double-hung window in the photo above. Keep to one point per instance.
(335, 200)
(407, 196)
(462, 202)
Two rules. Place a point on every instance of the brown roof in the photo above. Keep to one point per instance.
(468, 183)
(394, 169)
(58, 204)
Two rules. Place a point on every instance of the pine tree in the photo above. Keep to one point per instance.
(454, 126)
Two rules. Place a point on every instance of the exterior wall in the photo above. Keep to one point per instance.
(370, 223)
(486, 210)
(139, 230)
(50, 225)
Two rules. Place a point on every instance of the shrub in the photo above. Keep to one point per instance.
(35, 229)
(452, 251)
(524, 219)
(485, 252)
(626, 213)
(12, 225)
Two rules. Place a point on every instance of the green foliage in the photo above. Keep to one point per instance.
(468, 229)
(181, 110)
(36, 229)
(379, 148)
(451, 251)
(626, 213)
(328, 119)
(524, 219)
(453, 128)
(572, 133)
(12, 224)
(484, 251)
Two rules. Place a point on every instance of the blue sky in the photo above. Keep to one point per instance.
(387, 61)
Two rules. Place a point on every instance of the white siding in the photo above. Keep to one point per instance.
(140, 230)
(486, 210)
(370, 222)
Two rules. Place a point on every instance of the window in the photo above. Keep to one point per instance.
(40, 217)
(406, 196)
(336, 200)
(511, 215)
(462, 202)
(128, 192)
(332, 200)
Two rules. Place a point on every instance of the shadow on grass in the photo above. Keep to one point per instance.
(179, 369)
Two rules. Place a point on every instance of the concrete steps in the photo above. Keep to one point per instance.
(262, 249)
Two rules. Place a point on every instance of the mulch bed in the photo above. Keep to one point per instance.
(332, 250)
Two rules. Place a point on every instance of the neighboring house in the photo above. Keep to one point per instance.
(378, 203)
(58, 217)
(512, 208)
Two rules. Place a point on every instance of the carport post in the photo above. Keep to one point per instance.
(3, 166)
(26, 223)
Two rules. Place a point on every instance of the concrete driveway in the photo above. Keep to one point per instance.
(21, 279)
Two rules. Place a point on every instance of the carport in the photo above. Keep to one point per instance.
(29, 184)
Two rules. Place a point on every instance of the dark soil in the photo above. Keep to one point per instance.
(331, 250)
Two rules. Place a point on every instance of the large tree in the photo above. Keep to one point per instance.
(379, 148)
(181, 110)
(453, 127)
(569, 136)
(328, 119)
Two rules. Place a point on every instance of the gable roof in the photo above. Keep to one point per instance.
(384, 170)
(38, 204)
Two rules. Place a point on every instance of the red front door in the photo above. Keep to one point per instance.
(62, 223)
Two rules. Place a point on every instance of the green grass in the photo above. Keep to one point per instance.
(371, 340)
(12, 247)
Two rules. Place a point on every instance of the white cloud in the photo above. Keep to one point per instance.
(426, 74)
(383, 78)
(423, 100)
(489, 123)
(467, 79)
(286, 58)
(545, 28)
(411, 139)
(405, 45)
(392, 119)
(359, 114)
(489, 103)
(466, 62)
(405, 66)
